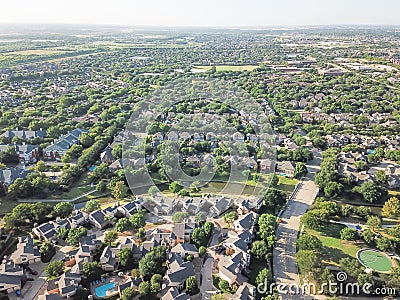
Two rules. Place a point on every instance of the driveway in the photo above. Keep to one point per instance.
(207, 288)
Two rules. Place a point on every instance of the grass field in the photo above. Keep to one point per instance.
(334, 248)
(199, 69)
(375, 260)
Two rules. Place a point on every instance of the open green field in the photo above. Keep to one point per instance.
(375, 260)
(225, 68)
(334, 247)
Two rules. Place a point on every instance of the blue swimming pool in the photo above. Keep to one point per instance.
(101, 291)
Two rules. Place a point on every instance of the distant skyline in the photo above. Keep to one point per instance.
(225, 13)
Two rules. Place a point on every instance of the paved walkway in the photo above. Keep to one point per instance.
(55, 200)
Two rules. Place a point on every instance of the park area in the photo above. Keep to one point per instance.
(200, 69)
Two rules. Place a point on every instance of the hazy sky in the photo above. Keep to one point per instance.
(203, 12)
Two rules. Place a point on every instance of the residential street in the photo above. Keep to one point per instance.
(31, 289)
(284, 263)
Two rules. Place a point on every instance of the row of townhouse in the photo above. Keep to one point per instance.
(57, 149)
(26, 153)
(234, 267)
(211, 137)
(12, 272)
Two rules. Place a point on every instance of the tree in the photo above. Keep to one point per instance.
(314, 218)
(309, 242)
(61, 233)
(333, 189)
(92, 205)
(393, 279)
(374, 222)
(46, 248)
(346, 210)
(391, 208)
(199, 237)
(191, 285)
(63, 209)
(223, 285)
(351, 266)
(384, 244)
(348, 234)
(86, 140)
(138, 220)
(153, 190)
(368, 236)
(91, 270)
(259, 249)
(274, 199)
(200, 217)
(135, 273)
(175, 187)
(300, 170)
(263, 279)
(229, 217)
(125, 256)
(274, 180)
(40, 166)
(267, 224)
(122, 225)
(119, 190)
(54, 269)
(307, 260)
(202, 250)
(110, 237)
(101, 186)
(152, 262)
(395, 231)
(180, 216)
(117, 151)
(380, 176)
(128, 294)
(144, 288)
(372, 192)
(208, 228)
(75, 234)
(364, 279)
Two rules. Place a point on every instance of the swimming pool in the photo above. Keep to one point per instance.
(101, 291)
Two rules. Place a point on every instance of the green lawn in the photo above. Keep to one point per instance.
(286, 184)
(334, 248)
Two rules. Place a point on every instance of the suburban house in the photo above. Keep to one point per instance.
(245, 222)
(108, 259)
(58, 148)
(101, 218)
(285, 167)
(26, 153)
(231, 267)
(27, 251)
(177, 273)
(24, 134)
(106, 156)
(185, 249)
(8, 175)
(12, 277)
